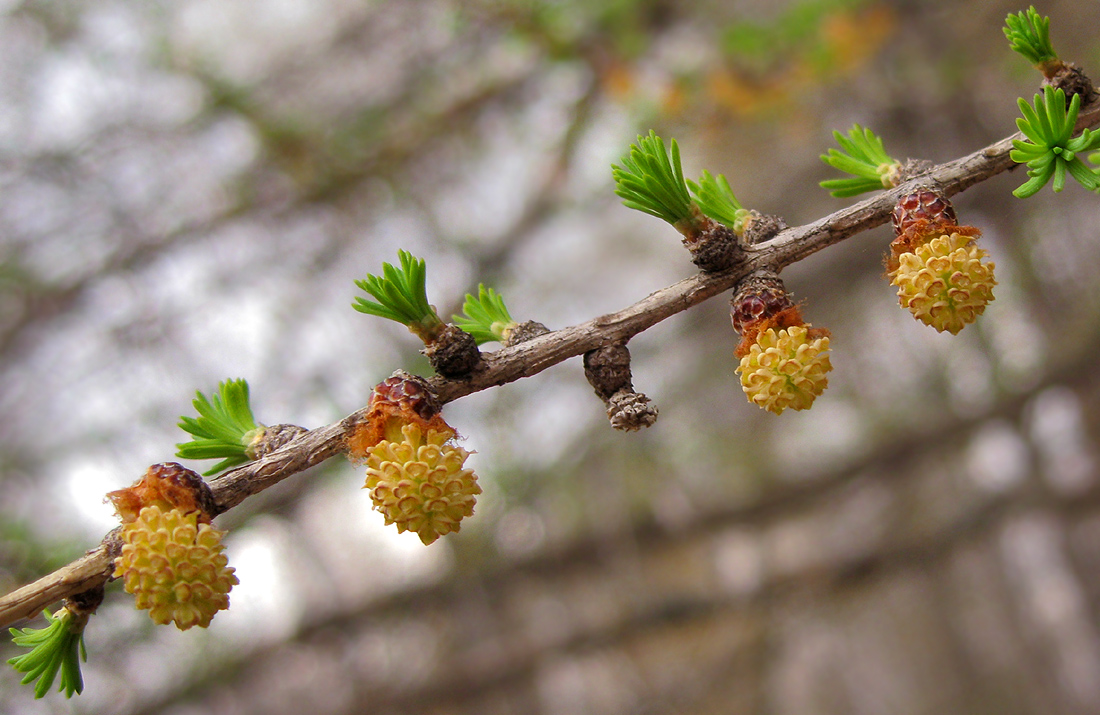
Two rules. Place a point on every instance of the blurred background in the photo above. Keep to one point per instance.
(188, 190)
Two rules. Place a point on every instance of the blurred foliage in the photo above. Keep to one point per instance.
(25, 554)
(811, 44)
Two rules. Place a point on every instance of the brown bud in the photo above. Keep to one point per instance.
(453, 353)
(85, 603)
(1072, 80)
(918, 218)
(523, 332)
(271, 439)
(713, 249)
(762, 227)
(926, 210)
(761, 303)
(608, 370)
(758, 297)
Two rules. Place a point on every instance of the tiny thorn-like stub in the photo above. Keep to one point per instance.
(762, 227)
(265, 440)
(523, 332)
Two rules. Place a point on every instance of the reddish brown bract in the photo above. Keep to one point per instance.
(169, 486)
(923, 205)
(399, 400)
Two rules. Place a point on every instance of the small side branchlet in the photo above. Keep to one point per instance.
(862, 155)
(1051, 151)
(651, 180)
(607, 370)
(1028, 34)
(485, 316)
(224, 429)
(400, 294)
(57, 648)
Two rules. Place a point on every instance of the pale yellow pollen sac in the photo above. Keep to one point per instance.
(175, 567)
(421, 483)
(785, 369)
(945, 283)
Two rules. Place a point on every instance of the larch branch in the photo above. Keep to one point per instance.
(532, 357)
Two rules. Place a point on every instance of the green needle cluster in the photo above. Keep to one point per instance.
(224, 428)
(400, 294)
(485, 317)
(716, 200)
(863, 155)
(1029, 34)
(652, 181)
(1051, 150)
(58, 646)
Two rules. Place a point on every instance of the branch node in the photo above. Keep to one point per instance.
(453, 354)
(715, 248)
(272, 439)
